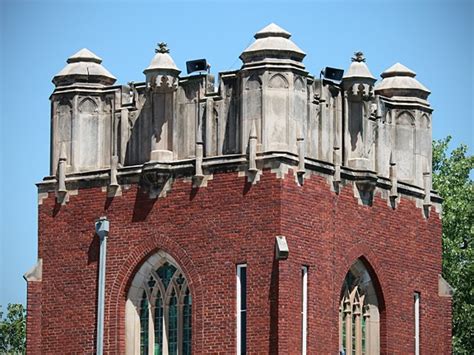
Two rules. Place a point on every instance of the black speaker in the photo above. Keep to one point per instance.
(196, 65)
(333, 74)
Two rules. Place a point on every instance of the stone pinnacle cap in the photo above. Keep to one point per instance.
(398, 80)
(162, 61)
(272, 42)
(84, 66)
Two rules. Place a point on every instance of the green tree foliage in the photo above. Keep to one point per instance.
(13, 330)
(452, 181)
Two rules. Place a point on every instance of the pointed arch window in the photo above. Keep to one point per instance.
(159, 309)
(359, 318)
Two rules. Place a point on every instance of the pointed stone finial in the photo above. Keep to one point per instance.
(162, 48)
(198, 174)
(427, 188)
(62, 191)
(62, 152)
(301, 154)
(253, 130)
(393, 177)
(391, 160)
(337, 145)
(253, 148)
(113, 172)
(358, 57)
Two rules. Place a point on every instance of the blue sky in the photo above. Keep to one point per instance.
(434, 38)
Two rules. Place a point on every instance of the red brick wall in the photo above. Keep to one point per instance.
(328, 232)
(210, 230)
(33, 318)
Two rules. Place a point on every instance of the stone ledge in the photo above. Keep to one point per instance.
(277, 162)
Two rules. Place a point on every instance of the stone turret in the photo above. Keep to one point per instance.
(274, 90)
(162, 83)
(82, 113)
(358, 84)
(162, 72)
(408, 113)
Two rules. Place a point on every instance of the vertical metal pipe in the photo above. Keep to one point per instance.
(102, 230)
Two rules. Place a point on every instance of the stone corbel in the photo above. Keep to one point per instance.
(157, 181)
(366, 189)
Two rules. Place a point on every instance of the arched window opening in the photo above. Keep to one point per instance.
(159, 309)
(359, 318)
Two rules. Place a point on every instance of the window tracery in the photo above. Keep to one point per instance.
(159, 309)
(359, 319)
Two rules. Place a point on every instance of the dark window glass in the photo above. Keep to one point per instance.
(144, 319)
(159, 325)
(165, 272)
(173, 325)
(243, 309)
(187, 308)
(243, 288)
(243, 332)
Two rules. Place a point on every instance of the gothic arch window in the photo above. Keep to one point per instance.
(359, 316)
(159, 309)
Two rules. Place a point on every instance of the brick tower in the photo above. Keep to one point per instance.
(273, 213)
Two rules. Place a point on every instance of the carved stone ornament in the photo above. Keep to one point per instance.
(155, 179)
(358, 57)
(162, 48)
(366, 190)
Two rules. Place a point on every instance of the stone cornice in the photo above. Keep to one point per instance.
(156, 173)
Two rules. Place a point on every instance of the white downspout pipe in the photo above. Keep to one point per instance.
(102, 230)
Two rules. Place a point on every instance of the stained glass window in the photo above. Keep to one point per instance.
(359, 317)
(187, 308)
(165, 273)
(144, 319)
(163, 306)
(363, 335)
(158, 324)
(173, 325)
